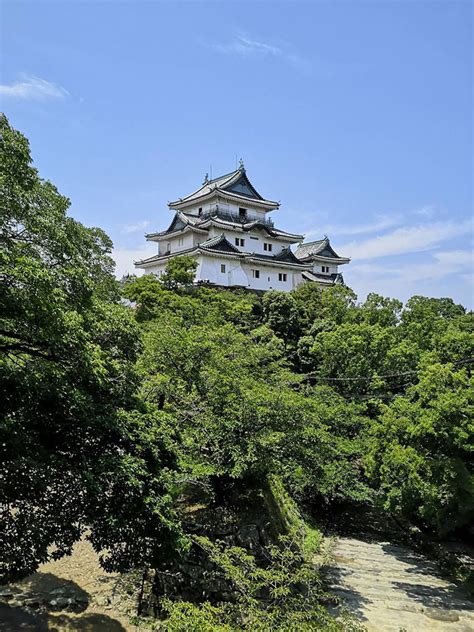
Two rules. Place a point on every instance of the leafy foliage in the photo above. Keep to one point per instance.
(112, 406)
(422, 449)
(285, 594)
(78, 448)
(179, 272)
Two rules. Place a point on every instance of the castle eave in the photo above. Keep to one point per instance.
(268, 205)
(174, 233)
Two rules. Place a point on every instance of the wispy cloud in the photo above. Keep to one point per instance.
(411, 239)
(427, 212)
(134, 228)
(438, 266)
(124, 258)
(458, 258)
(246, 47)
(29, 87)
(441, 274)
(379, 223)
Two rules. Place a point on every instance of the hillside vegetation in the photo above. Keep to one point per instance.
(119, 399)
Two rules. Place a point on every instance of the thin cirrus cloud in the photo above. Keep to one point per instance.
(34, 88)
(439, 265)
(437, 273)
(244, 46)
(381, 222)
(134, 228)
(406, 240)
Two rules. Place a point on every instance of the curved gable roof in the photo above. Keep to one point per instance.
(219, 243)
(234, 183)
(287, 255)
(319, 248)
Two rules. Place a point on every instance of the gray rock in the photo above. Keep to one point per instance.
(441, 615)
(60, 602)
(31, 601)
(57, 591)
(249, 537)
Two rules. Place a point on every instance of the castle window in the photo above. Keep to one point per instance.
(239, 242)
(181, 241)
(282, 276)
(325, 269)
(200, 211)
(267, 246)
(223, 267)
(256, 274)
(242, 213)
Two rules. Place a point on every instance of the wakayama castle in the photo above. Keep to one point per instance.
(225, 226)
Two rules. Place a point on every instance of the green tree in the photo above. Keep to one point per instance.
(378, 310)
(282, 314)
(228, 390)
(179, 272)
(285, 594)
(424, 318)
(77, 450)
(352, 356)
(420, 455)
(338, 304)
(323, 453)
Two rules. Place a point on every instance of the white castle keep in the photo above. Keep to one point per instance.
(224, 225)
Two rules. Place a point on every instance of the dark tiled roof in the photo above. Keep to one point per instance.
(220, 244)
(326, 279)
(236, 183)
(320, 248)
(176, 224)
(285, 256)
(182, 220)
(179, 222)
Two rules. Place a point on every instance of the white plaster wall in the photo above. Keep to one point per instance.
(177, 244)
(268, 277)
(199, 238)
(318, 267)
(209, 269)
(238, 274)
(256, 245)
(251, 245)
(298, 279)
(157, 269)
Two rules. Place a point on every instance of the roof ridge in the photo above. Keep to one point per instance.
(215, 241)
(225, 175)
(316, 241)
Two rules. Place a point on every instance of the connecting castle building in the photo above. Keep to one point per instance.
(225, 226)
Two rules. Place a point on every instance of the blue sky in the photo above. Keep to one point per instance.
(357, 116)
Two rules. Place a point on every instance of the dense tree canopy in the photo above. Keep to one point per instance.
(304, 385)
(79, 450)
(111, 407)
